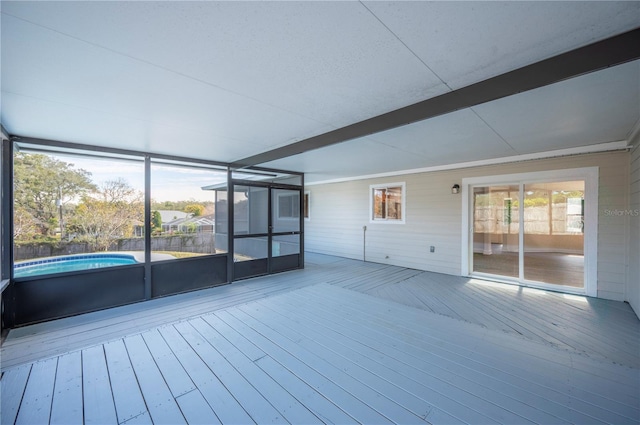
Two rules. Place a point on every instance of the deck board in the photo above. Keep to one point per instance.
(400, 372)
(322, 408)
(36, 401)
(196, 409)
(283, 402)
(67, 398)
(12, 386)
(602, 328)
(450, 360)
(405, 320)
(406, 395)
(56, 337)
(360, 386)
(126, 391)
(96, 387)
(422, 363)
(563, 329)
(224, 405)
(260, 410)
(334, 392)
(340, 342)
(175, 376)
(159, 400)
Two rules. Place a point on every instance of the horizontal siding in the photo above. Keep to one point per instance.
(433, 218)
(633, 275)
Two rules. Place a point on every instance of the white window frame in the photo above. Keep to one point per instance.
(403, 210)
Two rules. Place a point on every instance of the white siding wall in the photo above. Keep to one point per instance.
(633, 279)
(433, 217)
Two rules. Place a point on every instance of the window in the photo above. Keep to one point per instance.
(387, 202)
(307, 205)
(288, 205)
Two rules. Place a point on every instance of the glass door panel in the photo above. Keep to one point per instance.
(248, 249)
(285, 229)
(250, 230)
(496, 226)
(554, 233)
(250, 210)
(286, 210)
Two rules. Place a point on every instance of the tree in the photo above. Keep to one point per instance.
(195, 210)
(43, 185)
(24, 225)
(181, 205)
(156, 221)
(109, 214)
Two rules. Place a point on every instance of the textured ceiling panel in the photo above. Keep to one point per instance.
(61, 122)
(448, 139)
(594, 108)
(466, 42)
(63, 71)
(329, 61)
(355, 158)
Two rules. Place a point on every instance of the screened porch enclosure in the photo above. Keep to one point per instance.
(96, 228)
(267, 223)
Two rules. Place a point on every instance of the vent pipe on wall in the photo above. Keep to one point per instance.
(364, 243)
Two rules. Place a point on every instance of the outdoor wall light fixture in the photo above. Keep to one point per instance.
(455, 189)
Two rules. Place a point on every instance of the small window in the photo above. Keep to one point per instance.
(387, 202)
(288, 206)
(307, 205)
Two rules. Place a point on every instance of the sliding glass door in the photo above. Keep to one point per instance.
(554, 233)
(496, 228)
(531, 230)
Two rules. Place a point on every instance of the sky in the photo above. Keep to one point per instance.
(168, 182)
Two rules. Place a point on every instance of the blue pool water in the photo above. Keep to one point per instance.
(70, 263)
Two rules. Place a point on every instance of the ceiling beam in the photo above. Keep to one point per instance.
(593, 57)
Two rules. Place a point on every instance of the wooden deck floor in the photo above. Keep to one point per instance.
(339, 342)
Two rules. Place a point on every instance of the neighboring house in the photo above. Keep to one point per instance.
(171, 215)
(200, 224)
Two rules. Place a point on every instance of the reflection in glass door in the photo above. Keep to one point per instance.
(250, 230)
(285, 229)
(554, 233)
(496, 227)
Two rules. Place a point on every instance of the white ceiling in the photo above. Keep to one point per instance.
(227, 80)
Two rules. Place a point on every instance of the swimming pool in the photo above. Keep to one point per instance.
(70, 263)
